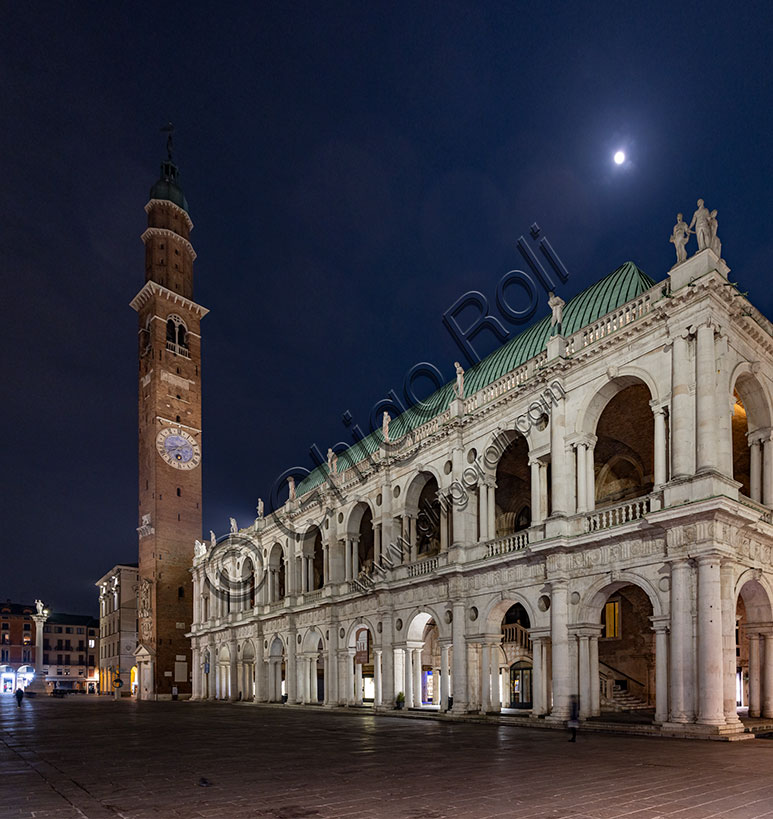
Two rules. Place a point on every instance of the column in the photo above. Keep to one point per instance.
(418, 674)
(313, 677)
(485, 678)
(310, 574)
(195, 673)
(582, 478)
(681, 642)
(711, 690)
(377, 544)
(444, 524)
(705, 391)
(595, 695)
(659, 414)
(460, 659)
(233, 672)
(729, 662)
(444, 677)
(387, 665)
(661, 672)
(291, 672)
(767, 471)
(754, 675)
(408, 677)
(355, 557)
(348, 550)
(331, 673)
(755, 470)
(590, 480)
(357, 683)
(325, 564)
(491, 506)
(584, 662)
(537, 509)
(543, 489)
(260, 677)
(483, 511)
(560, 637)
(377, 700)
(38, 684)
(496, 683)
(412, 539)
(767, 677)
(681, 410)
(537, 681)
(558, 461)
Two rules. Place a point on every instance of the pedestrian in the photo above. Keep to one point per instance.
(573, 722)
(19, 694)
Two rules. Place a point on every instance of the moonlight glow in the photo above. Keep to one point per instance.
(619, 157)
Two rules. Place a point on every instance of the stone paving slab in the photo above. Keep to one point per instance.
(95, 758)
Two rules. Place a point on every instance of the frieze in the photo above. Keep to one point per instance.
(754, 551)
(504, 577)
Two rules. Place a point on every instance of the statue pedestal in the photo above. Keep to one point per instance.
(556, 347)
(457, 408)
(703, 262)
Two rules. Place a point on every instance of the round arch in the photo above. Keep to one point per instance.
(355, 516)
(417, 620)
(595, 597)
(756, 399)
(276, 648)
(351, 632)
(756, 594)
(491, 621)
(312, 639)
(590, 413)
(415, 487)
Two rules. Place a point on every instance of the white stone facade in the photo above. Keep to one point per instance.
(597, 520)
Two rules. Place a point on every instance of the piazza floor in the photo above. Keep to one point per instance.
(94, 757)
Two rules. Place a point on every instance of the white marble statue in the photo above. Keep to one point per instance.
(199, 548)
(701, 221)
(260, 508)
(212, 538)
(332, 461)
(715, 245)
(556, 304)
(459, 380)
(234, 526)
(39, 606)
(680, 235)
(385, 426)
(291, 484)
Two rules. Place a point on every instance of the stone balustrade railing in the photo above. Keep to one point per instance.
(617, 515)
(508, 543)
(514, 633)
(626, 314)
(422, 567)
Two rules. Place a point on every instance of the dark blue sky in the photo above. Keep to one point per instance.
(351, 169)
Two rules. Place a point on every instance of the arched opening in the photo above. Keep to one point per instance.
(247, 585)
(223, 681)
(513, 487)
(312, 668)
(359, 552)
(421, 522)
(517, 648)
(626, 651)
(421, 663)
(276, 581)
(277, 690)
(360, 681)
(312, 571)
(754, 647)
(176, 334)
(247, 672)
(750, 421)
(625, 447)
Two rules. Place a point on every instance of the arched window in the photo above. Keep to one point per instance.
(176, 336)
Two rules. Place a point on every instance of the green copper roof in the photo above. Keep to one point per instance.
(619, 287)
(168, 186)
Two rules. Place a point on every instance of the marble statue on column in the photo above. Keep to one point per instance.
(39, 606)
(332, 461)
(680, 235)
(291, 487)
(701, 221)
(385, 426)
(234, 526)
(459, 389)
(556, 304)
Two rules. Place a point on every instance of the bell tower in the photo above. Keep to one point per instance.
(170, 440)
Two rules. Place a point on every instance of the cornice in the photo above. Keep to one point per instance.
(152, 289)
(169, 234)
(168, 204)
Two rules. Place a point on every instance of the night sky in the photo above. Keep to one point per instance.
(352, 169)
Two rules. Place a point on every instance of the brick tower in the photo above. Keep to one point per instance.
(169, 350)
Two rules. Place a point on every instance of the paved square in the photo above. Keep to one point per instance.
(94, 757)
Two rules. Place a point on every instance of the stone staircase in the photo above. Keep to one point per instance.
(623, 701)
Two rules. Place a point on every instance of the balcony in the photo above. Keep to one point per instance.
(621, 513)
(507, 543)
(513, 633)
(177, 349)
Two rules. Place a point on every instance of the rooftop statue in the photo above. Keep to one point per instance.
(680, 235)
(199, 548)
(701, 221)
(716, 245)
(385, 426)
(459, 380)
(332, 461)
(291, 483)
(556, 304)
(212, 538)
(260, 508)
(234, 526)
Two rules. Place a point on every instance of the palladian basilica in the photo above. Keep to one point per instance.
(582, 517)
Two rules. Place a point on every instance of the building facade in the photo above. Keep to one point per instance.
(587, 514)
(169, 351)
(17, 646)
(71, 652)
(118, 628)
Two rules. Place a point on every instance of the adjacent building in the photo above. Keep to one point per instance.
(71, 651)
(118, 628)
(586, 514)
(17, 646)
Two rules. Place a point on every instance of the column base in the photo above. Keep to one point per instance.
(694, 730)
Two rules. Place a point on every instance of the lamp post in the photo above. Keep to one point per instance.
(38, 684)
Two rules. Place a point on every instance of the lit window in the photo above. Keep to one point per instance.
(611, 620)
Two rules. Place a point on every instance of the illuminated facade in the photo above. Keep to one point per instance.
(591, 519)
(118, 627)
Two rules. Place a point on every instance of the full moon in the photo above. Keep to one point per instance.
(619, 158)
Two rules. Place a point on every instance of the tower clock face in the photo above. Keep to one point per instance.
(178, 448)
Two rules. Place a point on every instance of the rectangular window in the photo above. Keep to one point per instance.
(612, 619)
(91, 643)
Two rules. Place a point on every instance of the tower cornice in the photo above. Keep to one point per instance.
(166, 203)
(170, 234)
(152, 288)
